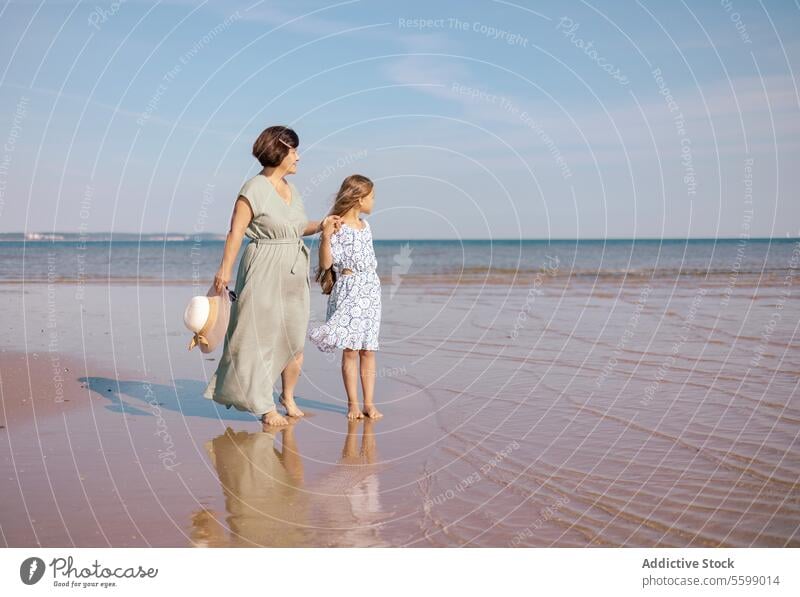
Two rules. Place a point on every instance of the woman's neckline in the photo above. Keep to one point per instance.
(291, 190)
(359, 229)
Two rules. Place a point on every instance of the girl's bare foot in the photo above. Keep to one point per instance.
(353, 412)
(291, 407)
(372, 412)
(273, 418)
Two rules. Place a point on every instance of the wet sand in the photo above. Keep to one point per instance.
(551, 411)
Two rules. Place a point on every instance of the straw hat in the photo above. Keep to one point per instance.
(207, 318)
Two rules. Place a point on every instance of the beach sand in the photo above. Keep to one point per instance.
(553, 411)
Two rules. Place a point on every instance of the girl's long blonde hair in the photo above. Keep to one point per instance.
(353, 188)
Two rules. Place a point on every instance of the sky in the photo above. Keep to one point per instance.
(481, 119)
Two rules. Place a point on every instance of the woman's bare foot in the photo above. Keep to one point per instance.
(291, 407)
(353, 412)
(273, 418)
(372, 412)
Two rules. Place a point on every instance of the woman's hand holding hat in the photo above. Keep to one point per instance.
(207, 318)
(221, 280)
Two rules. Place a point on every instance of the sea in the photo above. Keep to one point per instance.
(190, 261)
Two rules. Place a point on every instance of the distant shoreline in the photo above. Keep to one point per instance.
(106, 237)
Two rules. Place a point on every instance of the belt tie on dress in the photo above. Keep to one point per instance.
(301, 246)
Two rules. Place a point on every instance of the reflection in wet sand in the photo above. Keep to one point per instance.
(262, 487)
(347, 499)
(266, 501)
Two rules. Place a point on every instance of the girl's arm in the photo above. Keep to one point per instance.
(240, 220)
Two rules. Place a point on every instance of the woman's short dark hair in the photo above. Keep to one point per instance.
(273, 144)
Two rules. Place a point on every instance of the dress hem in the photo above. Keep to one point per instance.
(214, 396)
(335, 348)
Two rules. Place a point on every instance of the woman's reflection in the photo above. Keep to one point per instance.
(262, 488)
(267, 504)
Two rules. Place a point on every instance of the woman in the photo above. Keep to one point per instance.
(269, 317)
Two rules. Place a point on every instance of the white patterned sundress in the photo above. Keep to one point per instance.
(353, 318)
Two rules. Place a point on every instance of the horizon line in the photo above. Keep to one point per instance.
(190, 236)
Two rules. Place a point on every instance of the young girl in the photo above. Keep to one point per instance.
(346, 272)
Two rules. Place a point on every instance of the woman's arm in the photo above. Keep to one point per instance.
(312, 227)
(325, 254)
(315, 226)
(240, 220)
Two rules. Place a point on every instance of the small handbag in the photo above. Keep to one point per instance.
(207, 318)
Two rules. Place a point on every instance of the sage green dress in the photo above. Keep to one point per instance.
(269, 319)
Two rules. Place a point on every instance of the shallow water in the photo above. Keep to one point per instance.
(644, 419)
(556, 411)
